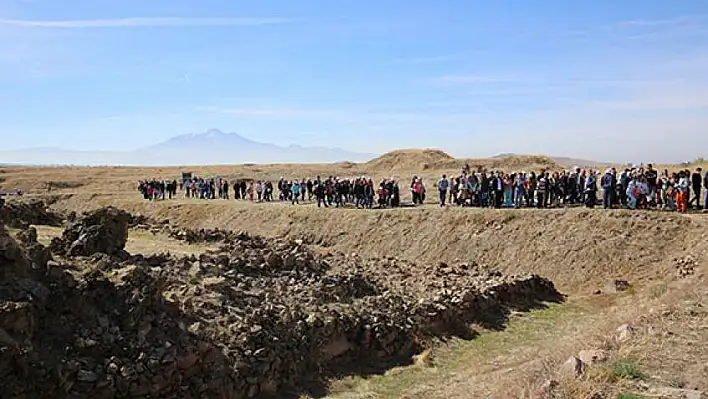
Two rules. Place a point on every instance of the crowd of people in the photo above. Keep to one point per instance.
(158, 189)
(636, 187)
(330, 191)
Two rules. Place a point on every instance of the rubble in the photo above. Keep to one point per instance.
(36, 253)
(22, 214)
(205, 235)
(572, 368)
(624, 333)
(686, 266)
(614, 286)
(593, 356)
(256, 317)
(104, 230)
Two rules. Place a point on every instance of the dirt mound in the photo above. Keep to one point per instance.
(417, 161)
(516, 163)
(257, 317)
(22, 214)
(409, 160)
(104, 230)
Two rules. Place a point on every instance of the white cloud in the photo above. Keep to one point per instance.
(144, 22)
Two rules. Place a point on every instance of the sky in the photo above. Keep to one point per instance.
(605, 80)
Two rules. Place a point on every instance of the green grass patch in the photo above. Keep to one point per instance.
(629, 396)
(628, 370)
(456, 356)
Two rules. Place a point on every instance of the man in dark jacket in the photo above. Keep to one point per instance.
(652, 177)
(608, 187)
(696, 182)
(705, 186)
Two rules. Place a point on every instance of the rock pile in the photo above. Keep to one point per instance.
(205, 235)
(686, 266)
(104, 230)
(36, 253)
(256, 317)
(22, 214)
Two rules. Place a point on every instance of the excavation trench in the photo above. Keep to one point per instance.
(257, 317)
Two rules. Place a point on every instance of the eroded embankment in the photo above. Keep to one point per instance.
(578, 248)
(259, 316)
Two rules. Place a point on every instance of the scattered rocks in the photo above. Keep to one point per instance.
(686, 266)
(676, 393)
(546, 390)
(104, 230)
(36, 253)
(624, 332)
(593, 356)
(206, 235)
(615, 286)
(425, 359)
(572, 368)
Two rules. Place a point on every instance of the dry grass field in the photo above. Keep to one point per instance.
(579, 249)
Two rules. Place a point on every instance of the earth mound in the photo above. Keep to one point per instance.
(104, 230)
(409, 160)
(259, 316)
(22, 214)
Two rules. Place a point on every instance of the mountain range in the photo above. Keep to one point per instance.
(212, 147)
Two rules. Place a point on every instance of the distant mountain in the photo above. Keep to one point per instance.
(212, 147)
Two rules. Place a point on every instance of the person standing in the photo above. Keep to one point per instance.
(705, 187)
(590, 189)
(541, 190)
(682, 193)
(651, 176)
(696, 182)
(295, 195)
(443, 185)
(607, 189)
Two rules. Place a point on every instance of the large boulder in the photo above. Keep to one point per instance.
(36, 253)
(104, 230)
(12, 256)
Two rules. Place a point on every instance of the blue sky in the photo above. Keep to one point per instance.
(606, 79)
